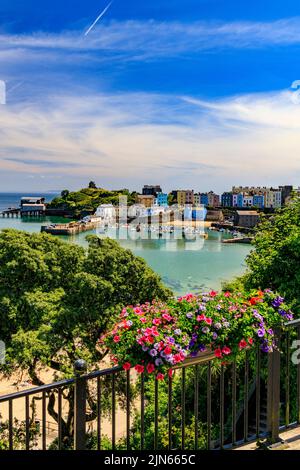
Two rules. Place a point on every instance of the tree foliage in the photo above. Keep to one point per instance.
(275, 260)
(57, 298)
(89, 198)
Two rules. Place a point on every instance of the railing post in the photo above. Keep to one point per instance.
(80, 368)
(273, 392)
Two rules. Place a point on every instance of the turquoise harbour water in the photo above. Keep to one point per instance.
(185, 266)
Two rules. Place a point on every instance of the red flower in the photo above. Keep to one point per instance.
(201, 318)
(117, 339)
(138, 311)
(255, 300)
(213, 293)
(140, 369)
(227, 294)
(168, 350)
(171, 373)
(167, 317)
(143, 320)
(160, 376)
(156, 321)
(242, 344)
(208, 321)
(250, 341)
(226, 350)
(126, 366)
(218, 352)
(150, 368)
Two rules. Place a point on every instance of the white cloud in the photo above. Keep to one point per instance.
(129, 139)
(139, 40)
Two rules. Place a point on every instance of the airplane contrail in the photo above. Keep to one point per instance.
(99, 18)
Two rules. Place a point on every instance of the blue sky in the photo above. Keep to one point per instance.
(185, 94)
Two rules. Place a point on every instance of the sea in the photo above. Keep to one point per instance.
(184, 266)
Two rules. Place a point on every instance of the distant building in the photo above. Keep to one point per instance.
(247, 200)
(286, 192)
(204, 199)
(273, 198)
(161, 199)
(247, 219)
(145, 200)
(213, 199)
(227, 199)
(149, 190)
(185, 197)
(32, 206)
(106, 211)
(259, 201)
(197, 199)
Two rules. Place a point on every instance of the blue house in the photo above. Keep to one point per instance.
(259, 201)
(161, 199)
(227, 200)
(204, 199)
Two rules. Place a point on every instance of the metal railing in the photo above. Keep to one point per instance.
(225, 405)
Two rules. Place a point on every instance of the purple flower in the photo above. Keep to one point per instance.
(145, 348)
(191, 344)
(257, 315)
(218, 307)
(282, 312)
(171, 340)
(169, 358)
(261, 332)
(194, 336)
(153, 352)
(214, 335)
(194, 353)
(177, 332)
(156, 345)
(190, 315)
(270, 331)
(201, 348)
(218, 326)
(158, 362)
(278, 301)
(129, 322)
(226, 324)
(202, 308)
(205, 329)
(264, 347)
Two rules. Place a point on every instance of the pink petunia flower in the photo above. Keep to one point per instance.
(139, 368)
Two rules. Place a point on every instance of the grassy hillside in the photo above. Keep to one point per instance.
(89, 198)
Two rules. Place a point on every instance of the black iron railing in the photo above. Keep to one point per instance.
(221, 407)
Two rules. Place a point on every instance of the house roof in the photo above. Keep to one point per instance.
(247, 213)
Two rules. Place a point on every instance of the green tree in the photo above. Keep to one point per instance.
(92, 185)
(65, 193)
(57, 298)
(275, 260)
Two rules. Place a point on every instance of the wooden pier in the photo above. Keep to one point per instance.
(11, 213)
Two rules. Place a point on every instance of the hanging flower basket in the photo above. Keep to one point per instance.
(157, 337)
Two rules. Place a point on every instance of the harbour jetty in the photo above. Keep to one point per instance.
(238, 240)
(72, 228)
